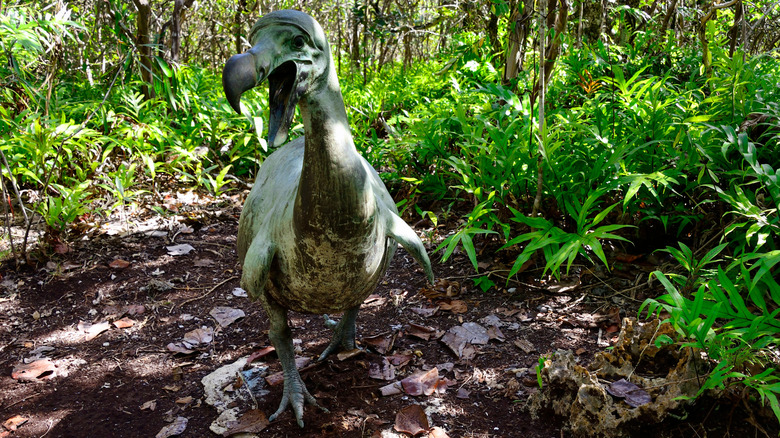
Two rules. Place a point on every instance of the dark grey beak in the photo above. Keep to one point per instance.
(238, 76)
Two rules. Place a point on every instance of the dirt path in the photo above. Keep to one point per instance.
(90, 346)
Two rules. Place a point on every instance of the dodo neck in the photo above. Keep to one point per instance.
(332, 194)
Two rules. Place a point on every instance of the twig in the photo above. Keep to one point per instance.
(207, 293)
(8, 344)
(22, 400)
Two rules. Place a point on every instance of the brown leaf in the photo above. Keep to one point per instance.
(176, 428)
(119, 264)
(260, 353)
(150, 405)
(454, 306)
(252, 421)
(525, 345)
(394, 388)
(437, 432)
(226, 315)
(421, 331)
(349, 354)
(184, 400)
(382, 370)
(124, 323)
(134, 309)
(203, 263)
(399, 359)
(199, 336)
(458, 338)
(422, 382)
(40, 369)
(61, 248)
(634, 395)
(178, 347)
(425, 312)
(181, 249)
(411, 420)
(14, 422)
(93, 330)
(381, 343)
(495, 333)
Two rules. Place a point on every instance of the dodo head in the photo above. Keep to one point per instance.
(289, 49)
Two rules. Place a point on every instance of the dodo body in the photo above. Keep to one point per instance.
(319, 228)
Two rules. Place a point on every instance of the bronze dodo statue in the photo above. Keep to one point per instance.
(319, 228)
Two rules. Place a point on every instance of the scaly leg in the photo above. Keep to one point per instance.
(295, 392)
(343, 332)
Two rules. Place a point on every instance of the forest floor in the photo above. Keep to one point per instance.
(113, 337)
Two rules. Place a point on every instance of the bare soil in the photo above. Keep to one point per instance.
(125, 382)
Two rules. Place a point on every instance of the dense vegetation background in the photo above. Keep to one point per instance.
(649, 125)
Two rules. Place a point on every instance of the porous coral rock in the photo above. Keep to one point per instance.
(578, 393)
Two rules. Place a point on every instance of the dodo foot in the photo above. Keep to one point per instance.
(343, 334)
(295, 393)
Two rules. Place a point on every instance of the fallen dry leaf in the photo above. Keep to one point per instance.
(38, 370)
(454, 306)
(460, 337)
(399, 359)
(119, 264)
(382, 370)
(203, 263)
(150, 405)
(495, 333)
(252, 421)
(203, 335)
(14, 422)
(93, 330)
(226, 315)
(124, 323)
(184, 400)
(422, 382)
(260, 353)
(425, 311)
(176, 428)
(179, 348)
(181, 249)
(411, 420)
(634, 395)
(421, 331)
(525, 345)
(437, 432)
(381, 343)
(349, 354)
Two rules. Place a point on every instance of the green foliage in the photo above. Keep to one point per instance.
(733, 318)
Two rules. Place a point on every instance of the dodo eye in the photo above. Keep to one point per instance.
(298, 42)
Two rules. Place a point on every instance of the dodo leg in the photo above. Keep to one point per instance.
(343, 333)
(295, 391)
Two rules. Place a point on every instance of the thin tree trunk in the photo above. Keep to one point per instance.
(142, 42)
(542, 90)
(554, 46)
(734, 31)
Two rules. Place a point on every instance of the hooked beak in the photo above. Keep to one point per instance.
(242, 73)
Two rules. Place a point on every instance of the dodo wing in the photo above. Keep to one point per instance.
(396, 228)
(267, 212)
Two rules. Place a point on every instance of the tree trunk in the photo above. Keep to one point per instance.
(553, 48)
(176, 19)
(734, 31)
(238, 24)
(142, 43)
(512, 62)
